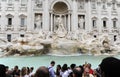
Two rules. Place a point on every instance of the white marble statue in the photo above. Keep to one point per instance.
(81, 5)
(38, 3)
(60, 24)
(60, 27)
(38, 22)
(81, 22)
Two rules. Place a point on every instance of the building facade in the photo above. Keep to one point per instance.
(19, 18)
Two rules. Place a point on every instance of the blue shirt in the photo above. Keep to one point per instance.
(51, 71)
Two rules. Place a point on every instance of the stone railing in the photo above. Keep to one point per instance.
(105, 29)
(115, 29)
(22, 27)
(9, 27)
(95, 29)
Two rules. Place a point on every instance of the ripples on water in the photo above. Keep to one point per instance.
(44, 60)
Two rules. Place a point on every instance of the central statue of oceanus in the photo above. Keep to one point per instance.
(61, 31)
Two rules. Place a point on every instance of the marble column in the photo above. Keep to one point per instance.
(30, 18)
(74, 16)
(54, 22)
(88, 20)
(46, 16)
(65, 22)
(51, 27)
(69, 22)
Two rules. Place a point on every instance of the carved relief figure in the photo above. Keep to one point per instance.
(81, 22)
(38, 22)
(81, 4)
(93, 4)
(60, 24)
(38, 3)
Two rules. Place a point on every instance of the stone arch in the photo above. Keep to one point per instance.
(9, 16)
(22, 15)
(94, 18)
(105, 18)
(115, 19)
(64, 1)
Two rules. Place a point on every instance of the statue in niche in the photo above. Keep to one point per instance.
(81, 5)
(113, 4)
(38, 22)
(104, 6)
(93, 5)
(61, 31)
(38, 3)
(81, 23)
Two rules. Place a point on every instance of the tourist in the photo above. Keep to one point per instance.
(110, 67)
(51, 69)
(87, 72)
(58, 70)
(77, 72)
(42, 72)
(31, 71)
(72, 66)
(90, 69)
(8, 72)
(16, 71)
(64, 72)
(24, 72)
(2, 70)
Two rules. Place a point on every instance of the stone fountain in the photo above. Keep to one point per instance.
(54, 43)
(60, 42)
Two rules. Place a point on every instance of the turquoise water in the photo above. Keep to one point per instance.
(37, 61)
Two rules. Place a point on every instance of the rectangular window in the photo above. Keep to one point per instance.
(104, 24)
(93, 4)
(114, 24)
(9, 37)
(22, 35)
(22, 21)
(94, 23)
(9, 21)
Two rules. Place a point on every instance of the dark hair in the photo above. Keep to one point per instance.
(42, 72)
(110, 66)
(2, 70)
(52, 62)
(64, 67)
(77, 71)
(72, 66)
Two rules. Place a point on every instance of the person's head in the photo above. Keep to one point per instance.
(64, 67)
(2, 70)
(52, 63)
(58, 67)
(77, 72)
(16, 67)
(23, 71)
(31, 69)
(89, 65)
(7, 68)
(72, 66)
(110, 67)
(42, 72)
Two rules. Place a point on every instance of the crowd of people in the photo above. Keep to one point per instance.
(109, 67)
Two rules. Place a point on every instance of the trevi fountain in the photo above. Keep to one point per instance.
(60, 42)
(34, 32)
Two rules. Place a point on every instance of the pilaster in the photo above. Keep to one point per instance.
(46, 15)
(74, 16)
